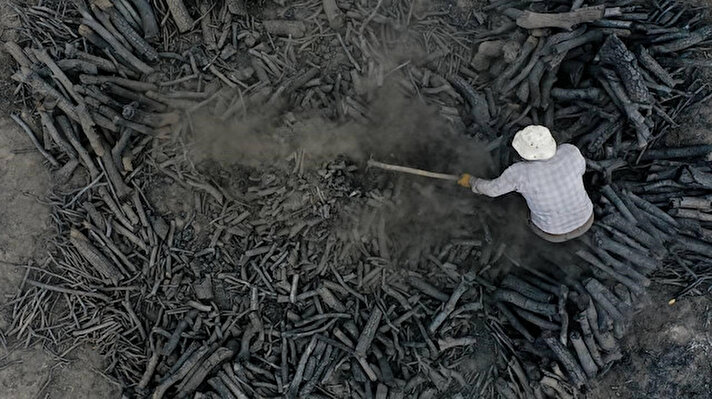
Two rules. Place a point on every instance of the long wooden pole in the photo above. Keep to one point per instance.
(413, 171)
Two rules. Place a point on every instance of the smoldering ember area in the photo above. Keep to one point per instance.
(368, 199)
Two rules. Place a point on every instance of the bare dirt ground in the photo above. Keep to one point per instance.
(33, 372)
(24, 182)
(667, 355)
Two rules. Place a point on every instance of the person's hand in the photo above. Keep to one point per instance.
(465, 180)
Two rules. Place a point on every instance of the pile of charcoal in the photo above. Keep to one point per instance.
(577, 316)
(255, 295)
(272, 292)
(611, 79)
(599, 77)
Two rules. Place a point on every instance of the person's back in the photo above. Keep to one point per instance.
(554, 190)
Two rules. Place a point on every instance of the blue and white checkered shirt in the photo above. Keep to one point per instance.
(553, 189)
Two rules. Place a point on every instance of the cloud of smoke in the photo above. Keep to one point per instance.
(402, 129)
(420, 213)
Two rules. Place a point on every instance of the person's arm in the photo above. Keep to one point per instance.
(507, 182)
(580, 161)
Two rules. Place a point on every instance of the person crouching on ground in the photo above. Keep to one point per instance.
(551, 181)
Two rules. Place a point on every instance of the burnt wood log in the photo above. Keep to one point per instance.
(514, 321)
(631, 110)
(650, 208)
(613, 197)
(700, 203)
(524, 73)
(134, 39)
(576, 375)
(40, 86)
(564, 20)
(77, 66)
(479, 108)
(588, 37)
(128, 83)
(647, 61)
(588, 338)
(691, 244)
(604, 338)
(535, 82)
(427, 289)
(592, 93)
(622, 238)
(614, 53)
(92, 37)
(515, 283)
(180, 15)
(634, 16)
(523, 92)
(562, 37)
(663, 36)
(613, 23)
(645, 224)
(69, 132)
(628, 282)
(527, 48)
(583, 354)
(608, 302)
(536, 320)
(116, 45)
(101, 63)
(134, 96)
(129, 13)
(692, 39)
(697, 151)
(705, 235)
(645, 262)
(691, 214)
(524, 302)
(486, 52)
(602, 134)
(149, 23)
(48, 124)
(547, 83)
(95, 257)
(577, 128)
(104, 21)
(695, 178)
(686, 62)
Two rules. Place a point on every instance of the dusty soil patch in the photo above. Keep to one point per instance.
(27, 373)
(696, 128)
(668, 355)
(24, 181)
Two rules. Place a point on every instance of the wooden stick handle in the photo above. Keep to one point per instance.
(413, 171)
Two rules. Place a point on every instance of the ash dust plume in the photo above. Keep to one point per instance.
(416, 213)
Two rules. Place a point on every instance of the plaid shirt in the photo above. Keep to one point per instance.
(553, 189)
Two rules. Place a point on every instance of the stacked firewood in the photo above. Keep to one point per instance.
(598, 76)
(633, 238)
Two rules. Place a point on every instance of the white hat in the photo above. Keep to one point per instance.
(534, 143)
